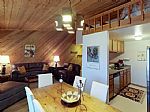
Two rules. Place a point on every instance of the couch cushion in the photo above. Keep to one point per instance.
(21, 69)
(70, 67)
(22, 64)
(45, 67)
(10, 88)
(37, 72)
(34, 65)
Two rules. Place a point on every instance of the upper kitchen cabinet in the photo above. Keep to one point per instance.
(120, 46)
(116, 46)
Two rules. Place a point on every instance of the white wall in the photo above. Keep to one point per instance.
(138, 68)
(100, 39)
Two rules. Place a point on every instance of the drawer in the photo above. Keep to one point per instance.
(111, 82)
(111, 88)
(121, 72)
(110, 76)
(111, 94)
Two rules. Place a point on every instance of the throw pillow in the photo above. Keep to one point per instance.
(45, 67)
(70, 67)
(21, 69)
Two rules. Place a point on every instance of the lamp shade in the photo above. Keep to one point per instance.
(56, 58)
(4, 59)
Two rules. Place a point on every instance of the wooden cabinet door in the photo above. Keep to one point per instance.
(128, 76)
(111, 45)
(111, 88)
(121, 46)
(121, 80)
(115, 46)
(118, 46)
(125, 78)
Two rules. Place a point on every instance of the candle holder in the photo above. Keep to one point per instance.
(61, 90)
(81, 106)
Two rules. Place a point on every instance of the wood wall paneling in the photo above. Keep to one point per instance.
(47, 45)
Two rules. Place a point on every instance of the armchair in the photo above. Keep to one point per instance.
(69, 72)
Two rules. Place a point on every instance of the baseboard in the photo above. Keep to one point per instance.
(139, 85)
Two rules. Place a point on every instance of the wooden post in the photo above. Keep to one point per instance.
(118, 17)
(109, 20)
(94, 24)
(129, 13)
(142, 9)
(89, 26)
(101, 22)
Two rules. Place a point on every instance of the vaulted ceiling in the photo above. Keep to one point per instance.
(40, 14)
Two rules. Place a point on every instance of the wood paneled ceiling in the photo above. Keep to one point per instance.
(40, 14)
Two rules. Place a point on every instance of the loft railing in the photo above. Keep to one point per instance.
(131, 13)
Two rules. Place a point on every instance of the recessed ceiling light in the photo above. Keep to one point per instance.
(138, 37)
(67, 25)
(80, 29)
(59, 29)
(72, 32)
(69, 28)
(67, 18)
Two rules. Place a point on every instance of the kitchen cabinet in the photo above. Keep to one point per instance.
(121, 46)
(128, 76)
(124, 77)
(110, 45)
(111, 86)
(116, 46)
(121, 80)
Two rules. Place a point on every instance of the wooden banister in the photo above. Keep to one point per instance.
(110, 13)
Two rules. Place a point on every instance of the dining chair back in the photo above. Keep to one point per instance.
(45, 80)
(37, 106)
(30, 98)
(99, 91)
(77, 82)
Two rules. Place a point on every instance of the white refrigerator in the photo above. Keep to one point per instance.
(148, 79)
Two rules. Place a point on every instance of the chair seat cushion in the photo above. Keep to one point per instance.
(10, 88)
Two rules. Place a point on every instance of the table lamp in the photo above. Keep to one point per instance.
(56, 59)
(4, 59)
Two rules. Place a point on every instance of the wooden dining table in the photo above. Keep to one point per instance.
(50, 99)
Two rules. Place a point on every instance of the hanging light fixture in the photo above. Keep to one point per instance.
(58, 22)
(67, 21)
(80, 22)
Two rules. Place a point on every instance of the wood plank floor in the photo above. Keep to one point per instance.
(20, 106)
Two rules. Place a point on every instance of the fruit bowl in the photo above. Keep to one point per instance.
(70, 97)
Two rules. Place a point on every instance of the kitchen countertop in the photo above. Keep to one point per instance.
(113, 71)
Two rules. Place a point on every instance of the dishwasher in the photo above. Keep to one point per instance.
(116, 83)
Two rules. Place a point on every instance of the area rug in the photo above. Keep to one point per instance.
(136, 95)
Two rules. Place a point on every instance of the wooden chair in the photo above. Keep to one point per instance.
(99, 91)
(45, 80)
(30, 98)
(37, 106)
(77, 82)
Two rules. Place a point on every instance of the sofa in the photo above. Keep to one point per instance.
(11, 92)
(68, 72)
(27, 71)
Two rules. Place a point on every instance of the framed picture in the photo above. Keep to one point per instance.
(93, 57)
(29, 50)
(141, 56)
